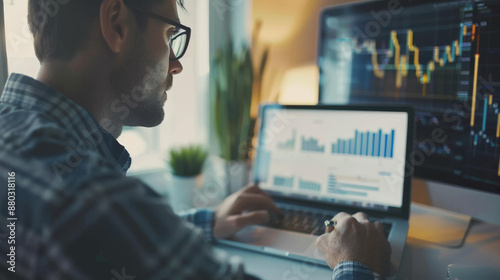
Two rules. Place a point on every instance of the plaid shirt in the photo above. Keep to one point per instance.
(77, 216)
(353, 270)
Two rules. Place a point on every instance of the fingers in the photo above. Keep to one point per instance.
(252, 201)
(321, 242)
(252, 218)
(253, 188)
(329, 229)
(361, 217)
(341, 216)
(343, 219)
(378, 225)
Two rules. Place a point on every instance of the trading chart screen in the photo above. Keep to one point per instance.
(442, 58)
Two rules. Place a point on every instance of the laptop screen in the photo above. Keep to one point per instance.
(353, 157)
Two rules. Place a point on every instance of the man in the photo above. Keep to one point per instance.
(73, 214)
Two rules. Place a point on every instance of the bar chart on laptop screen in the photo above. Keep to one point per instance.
(374, 144)
(441, 57)
(352, 157)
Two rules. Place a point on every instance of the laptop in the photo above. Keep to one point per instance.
(316, 161)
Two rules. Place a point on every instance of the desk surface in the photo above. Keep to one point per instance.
(421, 260)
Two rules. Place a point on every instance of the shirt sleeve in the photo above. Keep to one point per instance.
(121, 227)
(202, 218)
(354, 270)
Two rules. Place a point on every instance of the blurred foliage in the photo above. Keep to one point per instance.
(187, 161)
(231, 93)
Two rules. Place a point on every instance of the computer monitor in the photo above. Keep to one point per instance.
(442, 58)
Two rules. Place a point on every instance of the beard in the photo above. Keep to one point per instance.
(139, 87)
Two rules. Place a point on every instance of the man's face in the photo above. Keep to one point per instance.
(146, 73)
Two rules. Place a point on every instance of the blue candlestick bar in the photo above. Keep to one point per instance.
(283, 181)
(485, 113)
(311, 145)
(373, 144)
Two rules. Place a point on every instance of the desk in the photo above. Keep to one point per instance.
(421, 260)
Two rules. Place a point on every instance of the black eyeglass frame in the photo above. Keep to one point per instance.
(169, 21)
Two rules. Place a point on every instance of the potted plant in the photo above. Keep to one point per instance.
(186, 165)
(232, 80)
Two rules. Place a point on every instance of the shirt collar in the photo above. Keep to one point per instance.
(27, 93)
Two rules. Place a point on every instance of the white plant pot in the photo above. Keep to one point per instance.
(182, 190)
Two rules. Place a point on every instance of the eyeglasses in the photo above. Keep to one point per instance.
(179, 41)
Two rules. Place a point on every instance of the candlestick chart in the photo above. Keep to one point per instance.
(441, 58)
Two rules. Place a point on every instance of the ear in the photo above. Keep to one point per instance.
(115, 24)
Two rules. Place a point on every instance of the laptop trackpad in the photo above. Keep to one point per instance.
(295, 243)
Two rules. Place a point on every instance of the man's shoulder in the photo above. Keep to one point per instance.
(63, 178)
(34, 136)
(23, 130)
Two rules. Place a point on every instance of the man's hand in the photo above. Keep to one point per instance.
(355, 238)
(248, 206)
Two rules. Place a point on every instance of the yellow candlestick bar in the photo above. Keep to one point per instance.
(448, 52)
(498, 136)
(498, 126)
(457, 48)
(404, 65)
(490, 101)
(426, 79)
(474, 91)
(432, 66)
(399, 79)
(499, 168)
(397, 48)
(416, 62)
(436, 54)
(397, 54)
(465, 30)
(410, 40)
(376, 69)
(424, 88)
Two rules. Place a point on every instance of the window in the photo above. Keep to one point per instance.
(19, 42)
(186, 109)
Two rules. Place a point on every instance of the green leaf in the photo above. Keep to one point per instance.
(187, 161)
(232, 85)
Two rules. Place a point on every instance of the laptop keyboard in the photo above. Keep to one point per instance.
(308, 222)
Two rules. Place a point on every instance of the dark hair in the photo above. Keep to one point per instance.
(61, 27)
